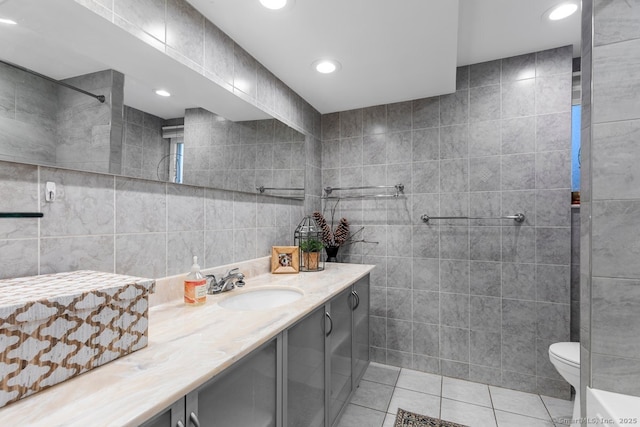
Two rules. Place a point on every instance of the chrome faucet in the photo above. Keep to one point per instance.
(228, 282)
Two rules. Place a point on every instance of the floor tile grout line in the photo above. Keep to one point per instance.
(466, 403)
(550, 418)
(523, 415)
(441, 393)
(366, 407)
(493, 408)
(548, 411)
(395, 385)
(423, 392)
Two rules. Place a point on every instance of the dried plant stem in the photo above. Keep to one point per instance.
(341, 236)
(351, 240)
(359, 241)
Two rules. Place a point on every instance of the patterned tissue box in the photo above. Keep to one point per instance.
(54, 327)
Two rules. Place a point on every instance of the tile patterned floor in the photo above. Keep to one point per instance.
(386, 388)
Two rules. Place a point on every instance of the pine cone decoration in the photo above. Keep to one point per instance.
(327, 236)
(342, 231)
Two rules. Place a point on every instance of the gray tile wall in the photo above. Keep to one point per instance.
(610, 277)
(28, 106)
(49, 124)
(132, 226)
(89, 133)
(145, 152)
(480, 299)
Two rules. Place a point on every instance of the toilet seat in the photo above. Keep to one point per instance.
(566, 352)
(565, 357)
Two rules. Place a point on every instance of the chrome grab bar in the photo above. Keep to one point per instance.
(21, 214)
(519, 217)
(373, 196)
(262, 189)
(398, 187)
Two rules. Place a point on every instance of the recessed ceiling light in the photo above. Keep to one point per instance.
(561, 11)
(274, 4)
(7, 21)
(162, 92)
(326, 66)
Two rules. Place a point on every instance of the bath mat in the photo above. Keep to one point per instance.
(411, 419)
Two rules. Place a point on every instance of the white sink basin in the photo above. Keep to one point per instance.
(261, 299)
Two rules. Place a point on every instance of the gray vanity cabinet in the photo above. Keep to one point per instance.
(243, 395)
(174, 416)
(361, 304)
(304, 368)
(340, 347)
(326, 355)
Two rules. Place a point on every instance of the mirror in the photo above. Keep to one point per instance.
(203, 136)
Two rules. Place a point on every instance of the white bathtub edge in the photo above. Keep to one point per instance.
(609, 409)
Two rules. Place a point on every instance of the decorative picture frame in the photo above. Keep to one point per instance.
(285, 259)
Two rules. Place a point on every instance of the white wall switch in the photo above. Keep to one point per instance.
(50, 191)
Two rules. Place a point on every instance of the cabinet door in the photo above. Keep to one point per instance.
(173, 416)
(305, 376)
(339, 339)
(360, 328)
(244, 396)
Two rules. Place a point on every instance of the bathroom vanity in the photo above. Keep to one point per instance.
(296, 364)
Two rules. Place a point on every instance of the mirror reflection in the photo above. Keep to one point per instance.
(242, 156)
(45, 123)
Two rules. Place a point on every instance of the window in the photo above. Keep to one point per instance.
(576, 111)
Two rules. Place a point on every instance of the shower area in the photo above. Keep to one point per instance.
(475, 297)
(49, 122)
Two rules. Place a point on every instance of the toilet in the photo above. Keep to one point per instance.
(565, 356)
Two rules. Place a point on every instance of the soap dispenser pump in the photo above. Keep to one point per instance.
(195, 286)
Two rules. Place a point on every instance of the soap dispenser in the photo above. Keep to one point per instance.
(195, 286)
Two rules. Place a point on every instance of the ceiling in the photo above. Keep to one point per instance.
(390, 51)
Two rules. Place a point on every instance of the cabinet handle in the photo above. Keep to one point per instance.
(194, 419)
(357, 298)
(330, 323)
(179, 424)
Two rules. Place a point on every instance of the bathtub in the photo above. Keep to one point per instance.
(612, 409)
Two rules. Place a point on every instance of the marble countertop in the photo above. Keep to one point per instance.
(187, 347)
